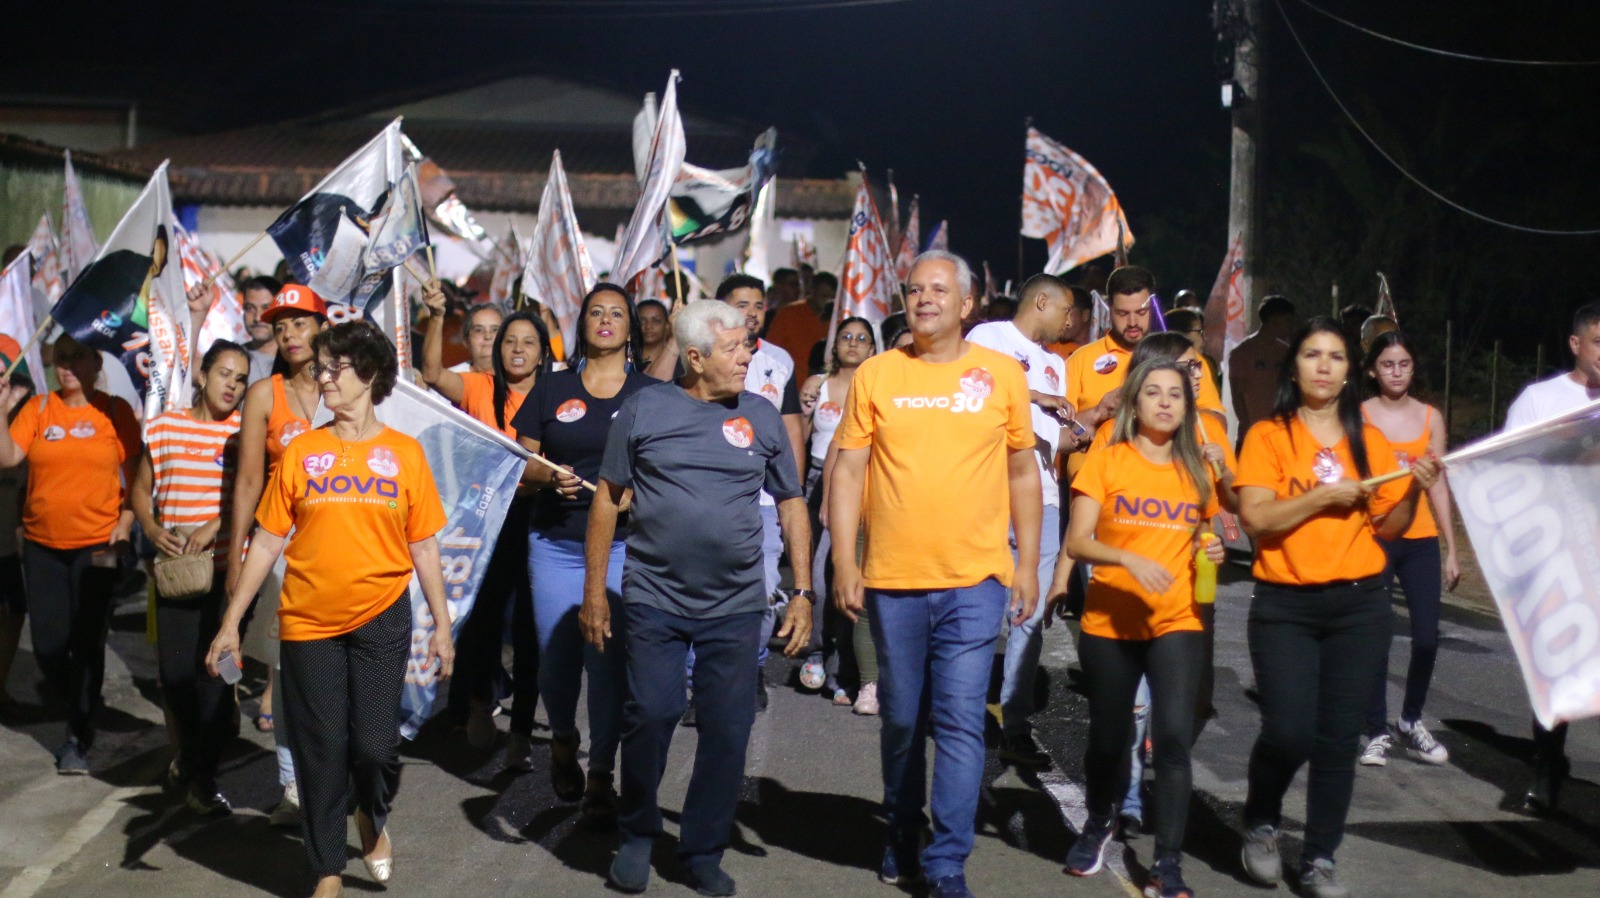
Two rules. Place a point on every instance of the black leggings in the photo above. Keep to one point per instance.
(1316, 652)
(341, 699)
(198, 701)
(1111, 671)
(1416, 563)
(69, 609)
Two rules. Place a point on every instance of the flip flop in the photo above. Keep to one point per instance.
(264, 723)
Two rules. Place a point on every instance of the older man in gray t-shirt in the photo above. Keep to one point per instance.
(695, 456)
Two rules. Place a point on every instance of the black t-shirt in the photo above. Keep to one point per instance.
(571, 426)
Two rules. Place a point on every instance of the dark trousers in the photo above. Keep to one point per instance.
(69, 610)
(1416, 563)
(1111, 670)
(341, 697)
(479, 674)
(198, 701)
(724, 690)
(1316, 652)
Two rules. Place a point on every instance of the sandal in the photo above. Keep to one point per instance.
(264, 722)
(840, 697)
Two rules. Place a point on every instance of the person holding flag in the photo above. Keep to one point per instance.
(1320, 621)
(81, 447)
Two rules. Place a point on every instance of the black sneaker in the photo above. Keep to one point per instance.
(950, 887)
(70, 759)
(205, 799)
(1166, 880)
(902, 861)
(761, 688)
(1088, 854)
(1022, 751)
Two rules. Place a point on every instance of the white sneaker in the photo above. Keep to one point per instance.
(1421, 744)
(1377, 751)
(867, 700)
(287, 813)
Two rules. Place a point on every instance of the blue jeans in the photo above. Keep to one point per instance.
(657, 642)
(556, 569)
(1026, 640)
(771, 554)
(1133, 802)
(935, 651)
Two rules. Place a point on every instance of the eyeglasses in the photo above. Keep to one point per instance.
(856, 338)
(332, 369)
(1194, 366)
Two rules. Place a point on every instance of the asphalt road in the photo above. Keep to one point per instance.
(808, 822)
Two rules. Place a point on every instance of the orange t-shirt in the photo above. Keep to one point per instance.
(1102, 366)
(1332, 545)
(283, 425)
(477, 400)
(1423, 524)
(937, 507)
(1064, 349)
(1151, 510)
(1211, 431)
(355, 509)
(796, 329)
(75, 465)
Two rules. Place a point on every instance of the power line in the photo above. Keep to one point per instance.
(1549, 232)
(1450, 53)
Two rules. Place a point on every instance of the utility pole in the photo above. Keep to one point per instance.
(1239, 25)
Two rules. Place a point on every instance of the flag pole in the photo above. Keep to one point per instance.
(677, 280)
(555, 467)
(37, 336)
(212, 278)
(1385, 478)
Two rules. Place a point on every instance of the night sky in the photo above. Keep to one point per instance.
(939, 90)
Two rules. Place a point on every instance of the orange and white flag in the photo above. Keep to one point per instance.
(1228, 296)
(867, 282)
(78, 244)
(1066, 202)
(558, 271)
(225, 315)
(910, 240)
(48, 281)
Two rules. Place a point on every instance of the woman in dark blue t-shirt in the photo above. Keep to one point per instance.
(567, 418)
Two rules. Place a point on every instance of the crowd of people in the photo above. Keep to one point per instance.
(1093, 479)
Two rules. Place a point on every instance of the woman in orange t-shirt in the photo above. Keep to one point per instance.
(1414, 429)
(80, 446)
(364, 511)
(1320, 620)
(520, 356)
(1139, 505)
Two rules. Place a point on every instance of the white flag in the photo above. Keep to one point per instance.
(940, 240)
(78, 246)
(16, 318)
(48, 282)
(645, 240)
(225, 312)
(509, 261)
(1067, 202)
(910, 243)
(866, 281)
(559, 272)
(762, 226)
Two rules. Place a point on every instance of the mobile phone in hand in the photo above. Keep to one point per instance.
(228, 669)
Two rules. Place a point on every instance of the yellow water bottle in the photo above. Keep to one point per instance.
(1205, 573)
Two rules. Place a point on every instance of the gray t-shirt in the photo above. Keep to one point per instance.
(697, 470)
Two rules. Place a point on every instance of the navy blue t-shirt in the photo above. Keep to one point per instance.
(571, 426)
(697, 470)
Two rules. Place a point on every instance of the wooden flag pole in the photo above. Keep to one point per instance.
(432, 271)
(37, 336)
(1385, 478)
(212, 278)
(555, 467)
(677, 280)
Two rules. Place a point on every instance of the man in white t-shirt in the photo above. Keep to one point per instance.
(1537, 402)
(1045, 311)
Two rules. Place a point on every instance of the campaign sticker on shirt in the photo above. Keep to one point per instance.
(294, 429)
(1051, 378)
(383, 462)
(82, 430)
(1403, 459)
(1326, 467)
(1026, 365)
(1106, 363)
(770, 391)
(54, 432)
(317, 465)
(738, 432)
(829, 413)
(571, 410)
(977, 383)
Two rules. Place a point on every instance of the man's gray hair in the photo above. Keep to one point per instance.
(963, 270)
(699, 321)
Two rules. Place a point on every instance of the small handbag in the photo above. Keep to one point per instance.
(187, 576)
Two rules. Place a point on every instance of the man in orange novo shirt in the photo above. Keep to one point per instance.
(934, 435)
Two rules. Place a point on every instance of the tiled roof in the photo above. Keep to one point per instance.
(16, 149)
(494, 169)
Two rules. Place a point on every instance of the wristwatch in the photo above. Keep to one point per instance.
(806, 594)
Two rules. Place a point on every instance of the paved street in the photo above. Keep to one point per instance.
(808, 823)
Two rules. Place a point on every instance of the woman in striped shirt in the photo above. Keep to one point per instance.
(182, 494)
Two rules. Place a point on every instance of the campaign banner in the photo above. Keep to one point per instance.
(558, 271)
(476, 469)
(910, 239)
(16, 318)
(509, 260)
(129, 301)
(763, 224)
(48, 281)
(658, 150)
(705, 203)
(78, 246)
(939, 240)
(1530, 501)
(866, 281)
(1068, 203)
(224, 318)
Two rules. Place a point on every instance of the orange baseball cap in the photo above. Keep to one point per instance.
(295, 298)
